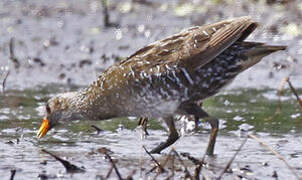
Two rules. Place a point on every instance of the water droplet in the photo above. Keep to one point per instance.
(147, 33)
(118, 34)
(238, 118)
(141, 28)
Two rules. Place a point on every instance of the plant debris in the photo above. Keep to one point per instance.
(12, 174)
(70, 168)
(161, 169)
(98, 130)
(12, 56)
(4, 82)
(295, 92)
(38, 61)
(106, 17)
(275, 175)
(85, 62)
(143, 122)
(281, 89)
(232, 159)
(105, 152)
(193, 159)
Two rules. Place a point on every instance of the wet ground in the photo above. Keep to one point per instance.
(240, 112)
(66, 42)
(63, 45)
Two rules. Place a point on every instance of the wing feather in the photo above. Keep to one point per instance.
(189, 49)
(192, 48)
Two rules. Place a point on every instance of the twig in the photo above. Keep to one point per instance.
(172, 167)
(105, 13)
(163, 165)
(281, 88)
(197, 172)
(295, 92)
(197, 162)
(154, 160)
(12, 174)
(130, 176)
(151, 170)
(232, 159)
(43, 176)
(105, 152)
(106, 20)
(70, 168)
(4, 82)
(276, 154)
(203, 159)
(193, 159)
(109, 172)
(187, 173)
(98, 130)
(143, 122)
(275, 175)
(284, 81)
(12, 54)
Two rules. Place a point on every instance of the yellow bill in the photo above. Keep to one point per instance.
(44, 128)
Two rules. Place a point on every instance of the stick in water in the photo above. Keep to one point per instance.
(70, 168)
(232, 159)
(295, 92)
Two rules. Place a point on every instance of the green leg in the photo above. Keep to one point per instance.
(215, 126)
(171, 139)
(198, 112)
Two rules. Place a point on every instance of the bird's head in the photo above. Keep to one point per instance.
(60, 108)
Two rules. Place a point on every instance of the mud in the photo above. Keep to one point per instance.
(67, 43)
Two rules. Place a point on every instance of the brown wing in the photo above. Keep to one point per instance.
(191, 48)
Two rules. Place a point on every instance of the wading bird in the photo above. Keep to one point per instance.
(166, 78)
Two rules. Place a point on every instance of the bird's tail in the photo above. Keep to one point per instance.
(263, 50)
(256, 51)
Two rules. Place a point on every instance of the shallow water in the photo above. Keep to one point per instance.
(65, 42)
(239, 111)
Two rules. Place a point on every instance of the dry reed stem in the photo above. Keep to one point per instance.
(280, 91)
(161, 169)
(70, 168)
(232, 159)
(4, 82)
(295, 92)
(105, 152)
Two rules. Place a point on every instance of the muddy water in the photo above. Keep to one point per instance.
(239, 111)
(66, 42)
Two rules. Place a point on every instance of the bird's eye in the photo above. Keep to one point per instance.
(48, 109)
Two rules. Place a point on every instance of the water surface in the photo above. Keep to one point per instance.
(239, 111)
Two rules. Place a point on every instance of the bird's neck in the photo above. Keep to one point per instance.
(90, 106)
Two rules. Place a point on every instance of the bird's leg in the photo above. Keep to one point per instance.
(198, 112)
(173, 136)
(215, 126)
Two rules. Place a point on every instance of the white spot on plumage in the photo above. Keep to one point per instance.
(167, 67)
(187, 76)
(205, 32)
